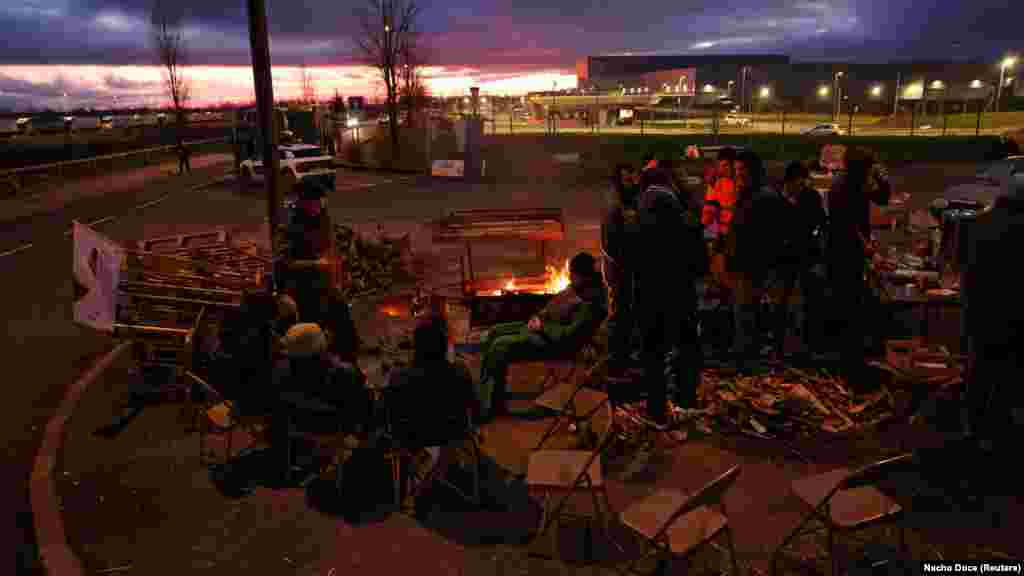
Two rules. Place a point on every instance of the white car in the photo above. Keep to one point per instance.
(989, 182)
(298, 162)
(735, 120)
(824, 130)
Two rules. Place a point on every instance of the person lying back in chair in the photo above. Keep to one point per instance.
(571, 316)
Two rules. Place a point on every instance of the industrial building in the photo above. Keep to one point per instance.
(617, 86)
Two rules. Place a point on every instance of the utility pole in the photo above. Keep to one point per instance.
(260, 46)
(896, 96)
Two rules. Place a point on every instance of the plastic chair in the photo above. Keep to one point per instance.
(569, 472)
(844, 501)
(673, 524)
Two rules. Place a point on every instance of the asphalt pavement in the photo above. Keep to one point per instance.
(44, 350)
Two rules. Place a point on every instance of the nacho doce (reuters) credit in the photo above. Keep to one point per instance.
(971, 567)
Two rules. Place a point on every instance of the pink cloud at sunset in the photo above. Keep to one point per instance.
(27, 87)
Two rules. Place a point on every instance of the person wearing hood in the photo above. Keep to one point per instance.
(557, 329)
(992, 321)
(666, 305)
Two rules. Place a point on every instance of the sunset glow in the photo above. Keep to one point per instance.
(127, 86)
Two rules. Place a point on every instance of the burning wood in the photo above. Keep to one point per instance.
(553, 281)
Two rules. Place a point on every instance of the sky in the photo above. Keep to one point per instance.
(97, 52)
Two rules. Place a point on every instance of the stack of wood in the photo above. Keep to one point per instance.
(373, 265)
(791, 403)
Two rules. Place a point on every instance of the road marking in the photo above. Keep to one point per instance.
(14, 251)
(57, 557)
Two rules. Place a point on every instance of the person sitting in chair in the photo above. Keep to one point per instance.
(569, 316)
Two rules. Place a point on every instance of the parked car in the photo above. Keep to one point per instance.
(989, 182)
(298, 162)
(824, 130)
(736, 120)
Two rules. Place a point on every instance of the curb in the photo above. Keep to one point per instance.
(54, 553)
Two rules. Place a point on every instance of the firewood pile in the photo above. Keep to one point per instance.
(791, 403)
(373, 266)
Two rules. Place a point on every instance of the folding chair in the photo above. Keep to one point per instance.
(468, 442)
(571, 401)
(413, 427)
(674, 524)
(564, 367)
(569, 472)
(844, 501)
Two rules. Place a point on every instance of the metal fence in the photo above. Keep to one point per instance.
(767, 123)
(15, 180)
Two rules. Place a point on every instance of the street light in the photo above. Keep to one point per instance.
(937, 85)
(708, 88)
(823, 91)
(976, 84)
(838, 92)
(876, 91)
(765, 92)
(1006, 64)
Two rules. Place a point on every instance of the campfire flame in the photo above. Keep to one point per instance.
(555, 280)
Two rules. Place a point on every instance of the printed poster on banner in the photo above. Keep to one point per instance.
(833, 157)
(96, 273)
(448, 168)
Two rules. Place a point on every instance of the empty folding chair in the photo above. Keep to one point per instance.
(569, 472)
(844, 501)
(676, 525)
(573, 402)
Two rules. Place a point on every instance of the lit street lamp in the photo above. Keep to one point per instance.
(765, 92)
(1006, 64)
(876, 91)
(838, 93)
(823, 91)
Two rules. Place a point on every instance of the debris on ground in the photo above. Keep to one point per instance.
(373, 265)
(791, 402)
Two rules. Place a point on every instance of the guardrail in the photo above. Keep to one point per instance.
(15, 178)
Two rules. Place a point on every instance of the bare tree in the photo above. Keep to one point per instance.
(308, 88)
(167, 28)
(413, 92)
(385, 28)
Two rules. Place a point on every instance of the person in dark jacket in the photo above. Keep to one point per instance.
(802, 220)
(567, 318)
(849, 245)
(752, 248)
(618, 231)
(992, 322)
(666, 307)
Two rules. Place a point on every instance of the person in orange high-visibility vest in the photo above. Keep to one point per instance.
(723, 192)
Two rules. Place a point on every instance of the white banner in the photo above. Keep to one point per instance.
(448, 168)
(96, 272)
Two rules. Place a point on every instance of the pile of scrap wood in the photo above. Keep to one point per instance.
(633, 428)
(791, 403)
(373, 265)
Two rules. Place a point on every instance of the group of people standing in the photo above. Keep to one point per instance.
(659, 244)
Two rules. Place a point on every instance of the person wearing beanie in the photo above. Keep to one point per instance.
(571, 315)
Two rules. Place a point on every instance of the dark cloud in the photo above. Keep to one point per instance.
(517, 34)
